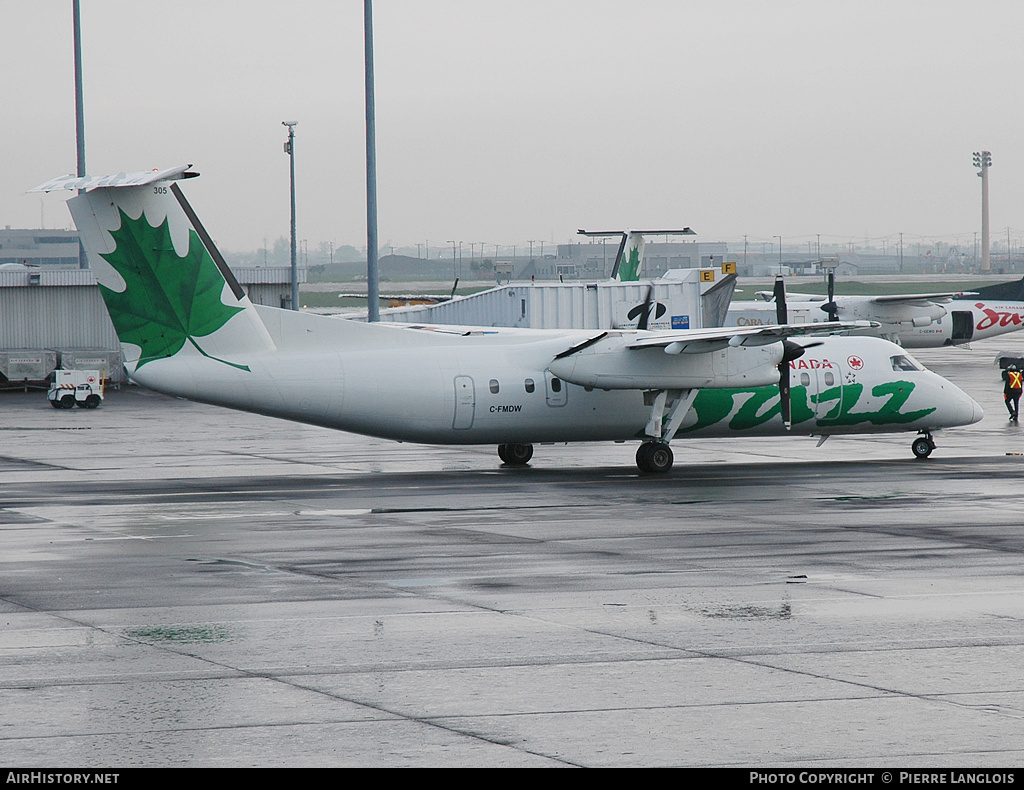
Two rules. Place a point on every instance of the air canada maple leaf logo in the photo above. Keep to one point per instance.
(629, 268)
(168, 299)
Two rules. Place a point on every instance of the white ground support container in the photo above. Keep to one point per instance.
(108, 363)
(83, 388)
(24, 366)
(682, 299)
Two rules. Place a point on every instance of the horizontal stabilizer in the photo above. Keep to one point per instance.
(598, 233)
(142, 178)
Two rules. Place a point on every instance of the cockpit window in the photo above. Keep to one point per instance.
(903, 362)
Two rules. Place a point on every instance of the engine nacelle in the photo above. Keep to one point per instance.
(610, 365)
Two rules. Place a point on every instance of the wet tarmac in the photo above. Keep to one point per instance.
(182, 585)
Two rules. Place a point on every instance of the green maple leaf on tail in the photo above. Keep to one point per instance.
(629, 268)
(168, 299)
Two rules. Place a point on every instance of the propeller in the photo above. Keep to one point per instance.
(645, 314)
(830, 306)
(642, 312)
(781, 309)
(790, 351)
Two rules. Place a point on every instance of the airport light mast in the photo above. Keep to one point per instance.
(372, 274)
(983, 161)
(76, 16)
(289, 148)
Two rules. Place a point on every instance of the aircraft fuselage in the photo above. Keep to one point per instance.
(495, 387)
(964, 320)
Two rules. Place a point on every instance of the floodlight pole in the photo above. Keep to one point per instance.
(76, 13)
(983, 161)
(372, 281)
(289, 148)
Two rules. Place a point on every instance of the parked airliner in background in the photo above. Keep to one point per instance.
(924, 320)
(629, 258)
(188, 329)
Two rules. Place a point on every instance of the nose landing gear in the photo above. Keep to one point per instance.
(923, 445)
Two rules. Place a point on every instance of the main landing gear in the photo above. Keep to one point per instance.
(668, 408)
(654, 457)
(515, 454)
(923, 445)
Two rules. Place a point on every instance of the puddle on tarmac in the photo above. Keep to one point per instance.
(181, 634)
(745, 612)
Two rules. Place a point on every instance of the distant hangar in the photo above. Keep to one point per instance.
(54, 316)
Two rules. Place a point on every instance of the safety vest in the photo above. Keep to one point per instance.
(1015, 379)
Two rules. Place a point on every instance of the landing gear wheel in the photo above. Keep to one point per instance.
(654, 457)
(922, 446)
(67, 402)
(515, 454)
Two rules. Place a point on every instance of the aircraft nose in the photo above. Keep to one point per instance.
(967, 410)
(976, 411)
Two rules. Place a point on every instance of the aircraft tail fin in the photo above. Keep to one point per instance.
(166, 286)
(630, 257)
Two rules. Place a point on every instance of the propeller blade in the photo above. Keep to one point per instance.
(781, 309)
(645, 314)
(833, 308)
(790, 352)
(785, 403)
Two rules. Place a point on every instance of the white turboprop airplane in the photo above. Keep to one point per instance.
(924, 320)
(188, 329)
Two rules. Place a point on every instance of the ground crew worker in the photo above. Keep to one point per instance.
(1013, 383)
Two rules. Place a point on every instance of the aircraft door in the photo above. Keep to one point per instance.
(824, 390)
(963, 326)
(465, 403)
(556, 391)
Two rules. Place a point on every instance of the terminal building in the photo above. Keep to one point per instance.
(39, 247)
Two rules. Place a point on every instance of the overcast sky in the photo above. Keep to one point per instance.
(503, 121)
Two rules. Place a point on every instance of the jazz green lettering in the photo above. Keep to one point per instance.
(760, 405)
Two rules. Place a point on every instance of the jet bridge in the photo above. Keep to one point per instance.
(681, 299)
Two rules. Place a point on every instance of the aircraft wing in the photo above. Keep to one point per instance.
(769, 296)
(919, 300)
(914, 300)
(701, 340)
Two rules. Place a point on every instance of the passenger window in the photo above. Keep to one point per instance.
(494, 386)
(556, 385)
(829, 379)
(529, 385)
(805, 380)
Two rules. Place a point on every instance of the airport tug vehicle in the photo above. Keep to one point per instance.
(76, 387)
